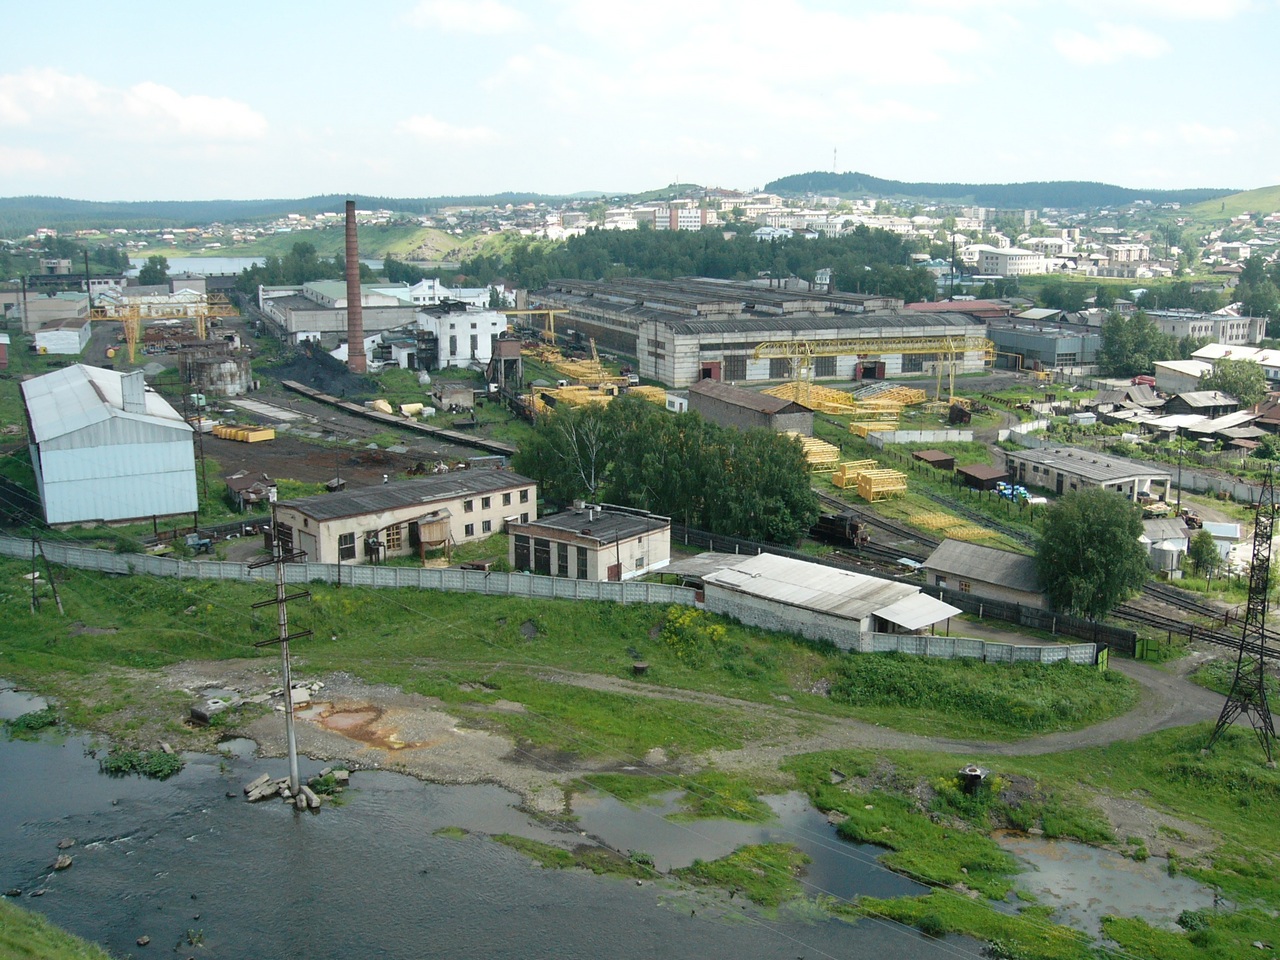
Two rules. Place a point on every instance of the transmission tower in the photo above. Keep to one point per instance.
(1248, 695)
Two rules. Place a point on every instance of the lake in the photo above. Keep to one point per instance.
(217, 265)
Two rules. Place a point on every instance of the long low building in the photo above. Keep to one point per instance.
(819, 602)
(682, 331)
(406, 517)
(1063, 469)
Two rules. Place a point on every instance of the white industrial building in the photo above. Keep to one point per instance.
(68, 337)
(106, 448)
(819, 602)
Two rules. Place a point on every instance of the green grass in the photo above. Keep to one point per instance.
(452, 833)
(767, 874)
(28, 725)
(599, 860)
(1217, 675)
(707, 795)
(1261, 200)
(376, 241)
(25, 935)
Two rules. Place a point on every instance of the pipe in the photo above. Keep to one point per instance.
(356, 361)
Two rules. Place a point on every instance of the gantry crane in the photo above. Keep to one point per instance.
(549, 334)
(801, 353)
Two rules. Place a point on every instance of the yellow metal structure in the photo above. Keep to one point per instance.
(815, 397)
(244, 434)
(876, 485)
(820, 456)
(847, 473)
(862, 429)
(548, 334)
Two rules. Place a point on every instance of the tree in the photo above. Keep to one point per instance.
(1203, 553)
(1089, 557)
(154, 272)
(1242, 379)
(1130, 345)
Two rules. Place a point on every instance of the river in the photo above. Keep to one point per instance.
(217, 265)
(188, 860)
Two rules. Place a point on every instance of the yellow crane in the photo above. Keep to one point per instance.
(801, 353)
(549, 334)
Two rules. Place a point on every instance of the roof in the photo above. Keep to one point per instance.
(932, 456)
(839, 593)
(405, 493)
(986, 564)
(1222, 531)
(1088, 464)
(79, 396)
(1165, 528)
(1207, 398)
(1192, 368)
(607, 524)
(983, 471)
(243, 481)
(749, 399)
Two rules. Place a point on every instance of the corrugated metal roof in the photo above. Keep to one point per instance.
(840, 324)
(986, 564)
(404, 493)
(748, 399)
(812, 586)
(79, 396)
(918, 612)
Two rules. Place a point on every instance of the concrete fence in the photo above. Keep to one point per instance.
(879, 439)
(457, 581)
(959, 648)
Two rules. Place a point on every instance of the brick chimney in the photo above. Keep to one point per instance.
(356, 362)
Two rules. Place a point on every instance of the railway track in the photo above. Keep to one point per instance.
(1132, 614)
(1016, 534)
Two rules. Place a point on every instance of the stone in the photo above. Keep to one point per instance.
(142, 941)
(255, 784)
(342, 776)
(166, 748)
(37, 893)
(300, 802)
(13, 892)
(62, 863)
(313, 800)
(66, 843)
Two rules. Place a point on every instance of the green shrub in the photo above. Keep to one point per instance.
(691, 635)
(154, 764)
(25, 726)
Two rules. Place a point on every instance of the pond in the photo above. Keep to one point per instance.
(188, 859)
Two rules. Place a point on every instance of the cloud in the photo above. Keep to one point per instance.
(145, 111)
(19, 160)
(466, 16)
(430, 129)
(1112, 43)
(1185, 9)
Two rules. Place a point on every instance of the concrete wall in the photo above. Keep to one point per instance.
(758, 612)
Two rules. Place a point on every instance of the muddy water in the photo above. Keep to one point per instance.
(1083, 884)
(180, 860)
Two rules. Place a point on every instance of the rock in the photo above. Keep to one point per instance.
(342, 776)
(231, 795)
(300, 696)
(13, 892)
(37, 893)
(255, 784)
(143, 941)
(300, 802)
(313, 800)
(166, 748)
(326, 771)
(264, 792)
(190, 610)
(66, 844)
(62, 863)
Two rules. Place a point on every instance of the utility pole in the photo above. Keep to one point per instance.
(281, 600)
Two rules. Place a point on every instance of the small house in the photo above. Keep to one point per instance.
(985, 572)
(248, 489)
(935, 458)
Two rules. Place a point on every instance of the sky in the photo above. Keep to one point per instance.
(422, 98)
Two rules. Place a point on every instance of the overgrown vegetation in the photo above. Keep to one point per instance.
(28, 725)
(768, 874)
(154, 764)
(28, 935)
(599, 860)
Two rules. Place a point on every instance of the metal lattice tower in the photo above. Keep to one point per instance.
(1248, 695)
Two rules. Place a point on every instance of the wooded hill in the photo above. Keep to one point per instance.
(1057, 194)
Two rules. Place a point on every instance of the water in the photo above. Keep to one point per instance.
(180, 859)
(211, 265)
(1083, 884)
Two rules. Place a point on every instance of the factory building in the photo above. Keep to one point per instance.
(106, 448)
(592, 542)
(405, 518)
(729, 406)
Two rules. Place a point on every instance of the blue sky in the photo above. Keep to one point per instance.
(429, 97)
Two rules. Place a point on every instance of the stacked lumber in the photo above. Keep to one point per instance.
(821, 399)
(862, 429)
(244, 434)
(821, 457)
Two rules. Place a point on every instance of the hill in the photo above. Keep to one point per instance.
(1060, 194)
(401, 241)
(20, 216)
(1221, 209)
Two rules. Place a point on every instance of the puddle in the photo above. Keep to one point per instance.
(839, 868)
(14, 703)
(1083, 883)
(240, 747)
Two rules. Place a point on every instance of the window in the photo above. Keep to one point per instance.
(394, 538)
(453, 345)
(486, 526)
(824, 366)
(346, 546)
(639, 563)
(542, 556)
(468, 506)
(469, 530)
(524, 496)
(506, 499)
(779, 368)
(475, 344)
(486, 502)
(524, 518)
(965, 586)
(735, 368)
(562, 559)
(582, 563)
(522, 551)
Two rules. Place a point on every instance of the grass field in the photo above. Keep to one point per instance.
(28, 936)
(1262, 200)
(375, 241)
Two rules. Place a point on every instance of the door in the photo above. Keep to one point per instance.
(615, 572)
(307, 543)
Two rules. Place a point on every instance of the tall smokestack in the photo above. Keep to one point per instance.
(355, 315)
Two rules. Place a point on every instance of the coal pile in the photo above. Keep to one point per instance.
(313, 367)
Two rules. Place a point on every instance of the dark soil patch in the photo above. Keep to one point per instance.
(529, 630)
(314, 368)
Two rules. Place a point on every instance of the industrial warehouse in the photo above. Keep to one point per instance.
(682, 331)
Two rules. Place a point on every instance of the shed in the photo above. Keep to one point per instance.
(69, 336)
(246, 489)
(982, 476)
(592, 542)
(730, 406)
(935, 458)
(1225, 536)
(104, 447)
(819, 602)
(985, 572)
